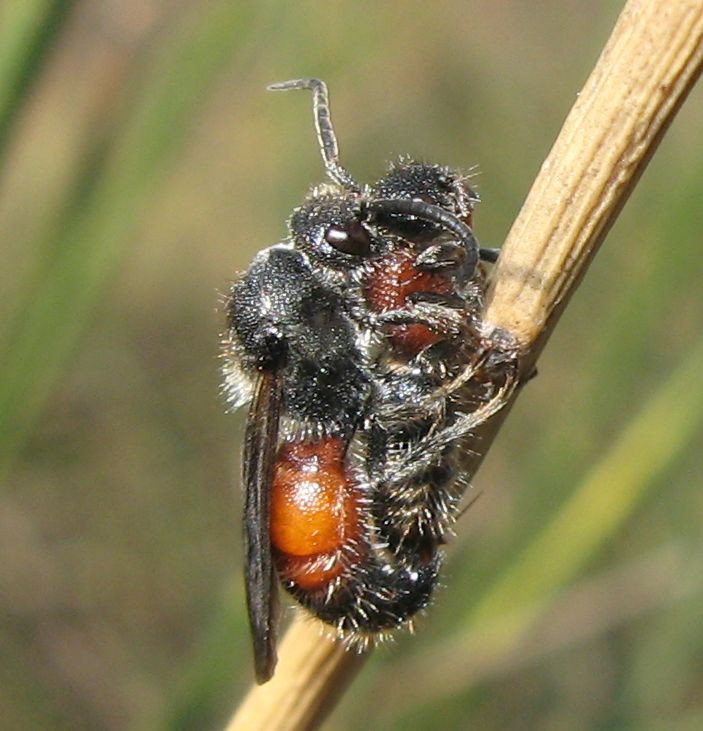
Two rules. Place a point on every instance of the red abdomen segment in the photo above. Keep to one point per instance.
(393, 280)
(315, 513)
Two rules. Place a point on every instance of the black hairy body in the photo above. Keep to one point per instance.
(359, 342)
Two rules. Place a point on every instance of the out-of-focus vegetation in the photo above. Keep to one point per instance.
(142, 165)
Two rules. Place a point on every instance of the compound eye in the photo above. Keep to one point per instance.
(352, 238)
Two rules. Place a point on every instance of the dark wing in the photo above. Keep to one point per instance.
(261, 441)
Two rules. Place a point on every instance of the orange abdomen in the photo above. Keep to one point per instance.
(392, 281)
(315, 521)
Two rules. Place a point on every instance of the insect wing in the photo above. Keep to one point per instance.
(261, 441)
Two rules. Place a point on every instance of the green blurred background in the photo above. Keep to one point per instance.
(142, 164)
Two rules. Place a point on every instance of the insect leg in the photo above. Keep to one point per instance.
(422, 456)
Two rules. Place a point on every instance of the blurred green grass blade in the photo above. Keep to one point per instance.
(206, 681)
(607, 497)
(58, 305)
(689, 721)
(626, 336)
(27, 30)
(662, 246)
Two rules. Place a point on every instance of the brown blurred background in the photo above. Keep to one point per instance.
(142, 165)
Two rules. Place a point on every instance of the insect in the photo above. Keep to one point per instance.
(358, 343)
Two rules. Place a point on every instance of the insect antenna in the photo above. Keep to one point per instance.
(489, 255)
(325, 131)
(432, 214)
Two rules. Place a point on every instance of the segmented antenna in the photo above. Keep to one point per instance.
(325, 132)
(432, 214)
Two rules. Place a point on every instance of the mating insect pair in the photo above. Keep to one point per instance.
(358, 341)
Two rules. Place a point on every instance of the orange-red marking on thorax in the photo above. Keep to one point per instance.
(315, 521)
(393, 280)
